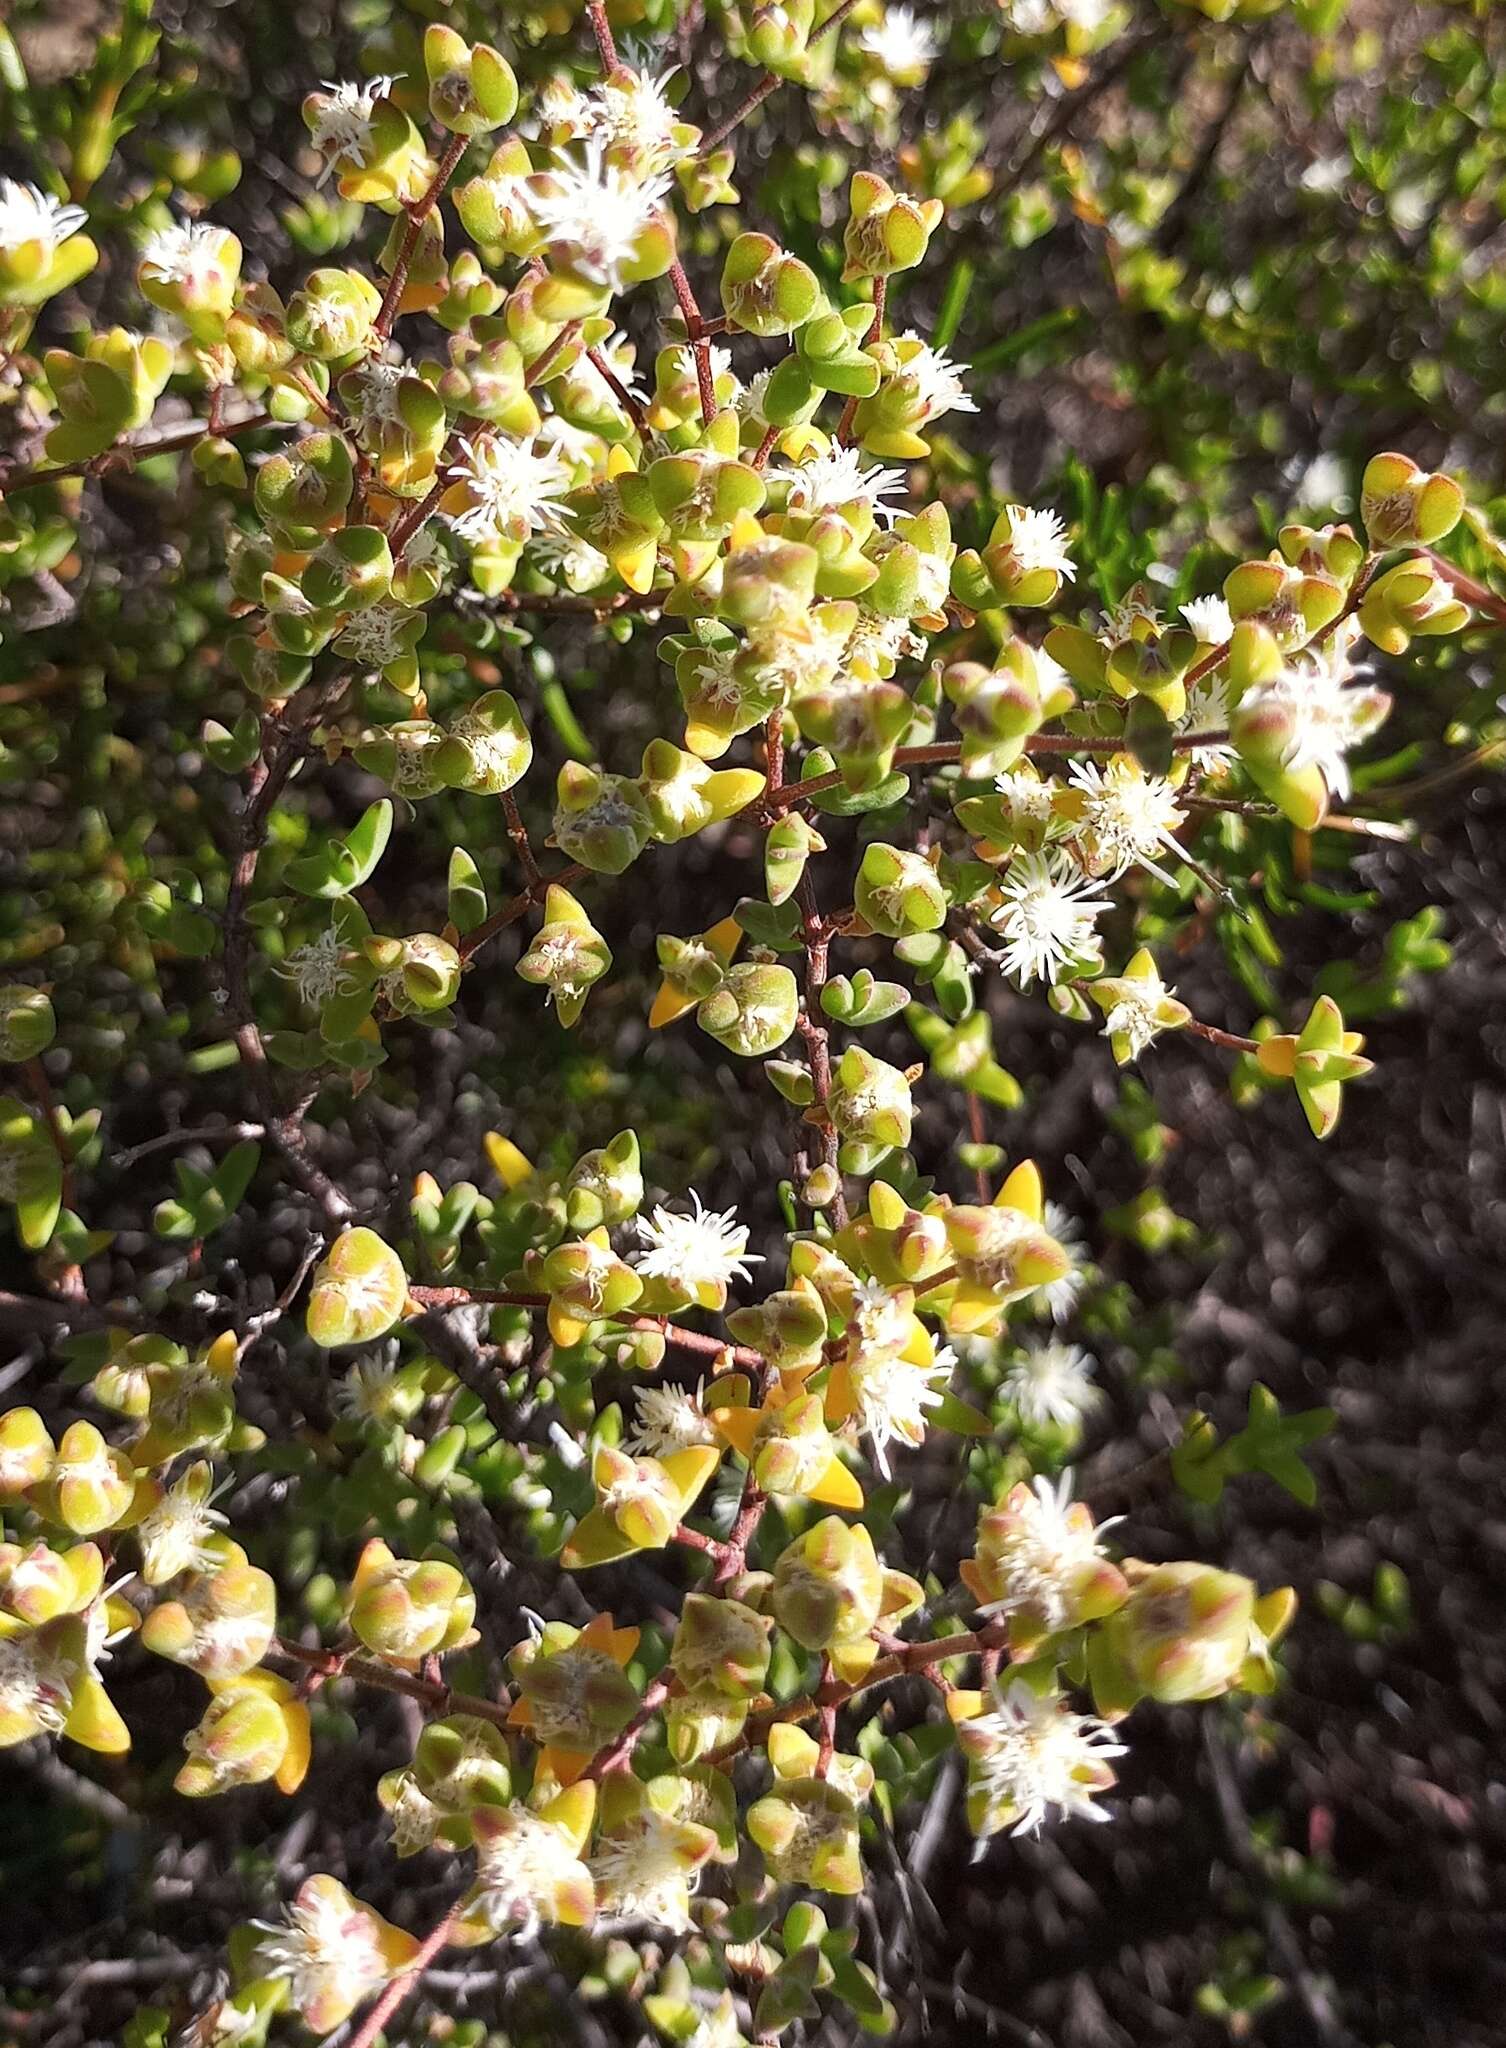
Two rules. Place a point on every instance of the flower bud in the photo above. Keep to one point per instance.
(584, 1280)
(1184, 1632)
(684, 796)
(828, 1585)
(410, 1607)
(831, 357)
(870, 1101)
(40, 1584)
(359, 1291)
(766, 291)
(254, 1728)
(1413, 598)
(807, 1829)
(90, 1485)
(1403, 505)
(787, 1327)
(886, 231)
(471, 86)
(26, 1452)
(568, 955)
(1332, 549)
(1292, 604)
(898, 892)
(605, 1186)
(753, 1011)
(600, 820)
(220, 1625)
(693, 969)
(1318, 1063)
(997, 709)
(105, 393)
(332, 314)
(789, 845)
(306, 492)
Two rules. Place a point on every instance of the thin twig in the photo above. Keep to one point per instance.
(769, 83)
(137, 447)
(418, 213)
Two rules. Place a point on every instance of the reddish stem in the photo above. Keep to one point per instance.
(407, 1981)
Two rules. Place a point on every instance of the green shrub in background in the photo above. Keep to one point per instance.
(525, 362)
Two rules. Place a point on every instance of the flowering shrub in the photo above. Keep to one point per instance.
(574, 385)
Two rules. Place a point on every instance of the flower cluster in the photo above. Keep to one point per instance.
(414, 469)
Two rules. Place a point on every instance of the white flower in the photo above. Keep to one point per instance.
(89, 1468)
(1133, 609)
(1084, 14)
(342, 126)
(411, 768)
(595, 214)
(1328, 716)
(900, 43)
(1209, 619)
(706, 1249)
(1207, 712)
(1040, 1550)
(184, 253)
(328, 1948)
(1324, 482)
(1127, 814)
(891, 1394)
(1136, 1014)
(414, 1818)
(317, 970)
(1029, 799)
(375, 635)
(364, 1395)
(631, 111)
(1061, 1297)
(376, 388)
(881, 1317)
(33, 1683)
(667, 1419)
(1052, 1382)
(1038, 540)
(839, 478)
(512, 490)
(28, 214)
(936, 381)
(576, 447)
(1032, 1752)
(561, 108)
(1046, 916)
(620, 357)
(564, 961)
(175, 1535)
(641, 1873)
(520, 1869)
(749, 401)
(1029, 17)
(878, 641)
(224, 2025)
